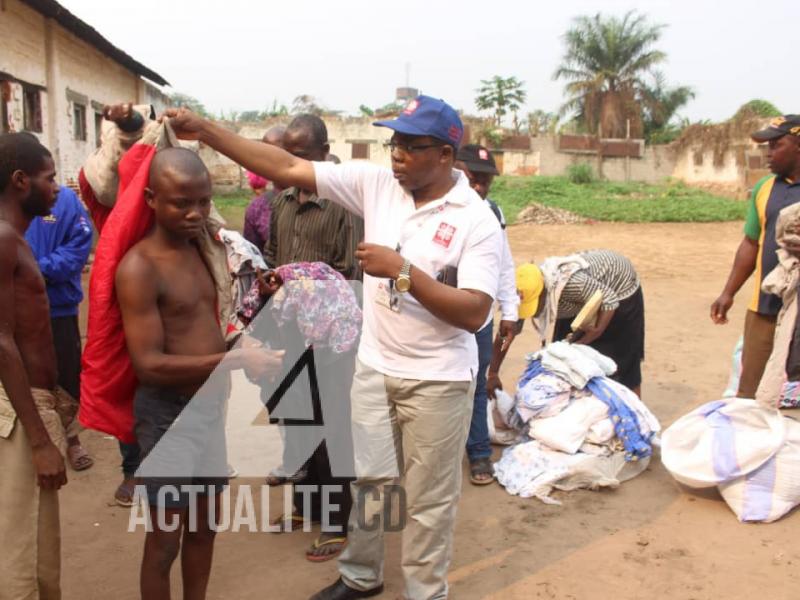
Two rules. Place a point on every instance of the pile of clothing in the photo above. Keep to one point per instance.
(578, 428)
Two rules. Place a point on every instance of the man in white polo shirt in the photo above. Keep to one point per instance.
(431, 256)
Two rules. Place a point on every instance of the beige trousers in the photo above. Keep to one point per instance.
(412, 431)
(30, 557)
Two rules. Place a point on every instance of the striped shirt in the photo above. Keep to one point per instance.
(315, 231)
(609, 272)
(770, 196)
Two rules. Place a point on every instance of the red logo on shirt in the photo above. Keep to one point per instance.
(444, 235)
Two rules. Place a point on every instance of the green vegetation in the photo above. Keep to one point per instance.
(759, 108)
(232, 206)
(580, 173)
(606, 201)
(612, 82)
(670, 201)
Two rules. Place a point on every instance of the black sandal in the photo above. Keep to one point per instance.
(482, 466)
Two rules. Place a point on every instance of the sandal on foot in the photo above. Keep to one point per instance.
(79, 458)
(288, 524)
(125, 493)
(277, 478)
(319, 543)
(482, 466)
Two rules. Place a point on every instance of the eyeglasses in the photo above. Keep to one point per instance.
(409, 148)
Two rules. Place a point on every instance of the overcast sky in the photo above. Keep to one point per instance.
(241, 54)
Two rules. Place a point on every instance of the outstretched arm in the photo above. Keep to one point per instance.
(265, 159)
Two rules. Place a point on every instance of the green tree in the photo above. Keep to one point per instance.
(179, 100)
(366, 111)
(604, 64)
(501, 96)
(541, 122)
(660, 104)
(758, 108)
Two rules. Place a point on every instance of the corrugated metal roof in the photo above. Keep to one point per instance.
(90, 35)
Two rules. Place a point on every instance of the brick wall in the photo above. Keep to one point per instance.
(68, 71)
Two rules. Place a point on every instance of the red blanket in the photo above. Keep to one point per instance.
(108, 381)
(97, 211)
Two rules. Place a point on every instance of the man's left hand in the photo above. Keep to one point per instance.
(379, 261)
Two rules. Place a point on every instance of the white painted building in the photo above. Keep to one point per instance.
(57, 72)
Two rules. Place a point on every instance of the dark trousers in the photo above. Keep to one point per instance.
(478, 443)
(334, 394)
(67, 342)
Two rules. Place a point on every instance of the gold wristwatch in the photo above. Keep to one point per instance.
(403, 282)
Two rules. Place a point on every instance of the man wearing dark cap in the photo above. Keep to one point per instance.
(757, 251)
(431, 256)
(478, 165)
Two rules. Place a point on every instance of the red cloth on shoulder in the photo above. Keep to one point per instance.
(108, 381)
(98, 212)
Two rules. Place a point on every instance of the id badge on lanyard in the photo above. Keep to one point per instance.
(387, 296)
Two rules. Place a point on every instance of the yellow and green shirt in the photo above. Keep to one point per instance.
(770, 196)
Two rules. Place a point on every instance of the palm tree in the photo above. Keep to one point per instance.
(605, 61)
(660, 103)
(501, 96)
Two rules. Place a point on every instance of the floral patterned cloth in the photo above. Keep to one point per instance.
(318, 299)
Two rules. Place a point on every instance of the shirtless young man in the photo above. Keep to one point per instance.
(31, 464)
(168, 299)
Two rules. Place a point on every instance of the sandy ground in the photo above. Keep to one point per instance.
(647, 539)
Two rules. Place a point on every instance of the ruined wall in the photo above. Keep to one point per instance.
(655, 164)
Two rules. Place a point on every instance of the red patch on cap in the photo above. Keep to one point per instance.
(411, 107)
(444, 234)
(454, 132)
(483, 154)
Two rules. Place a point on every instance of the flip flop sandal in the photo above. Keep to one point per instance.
(79, 458)
(296, 523)
(482, 466)
(276, 480)
(125, 493)
(325, 557)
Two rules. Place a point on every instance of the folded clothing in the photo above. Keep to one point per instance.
(541, 393)
(567, 430)
(576, 363)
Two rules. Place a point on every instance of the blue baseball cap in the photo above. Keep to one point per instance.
(428, 116)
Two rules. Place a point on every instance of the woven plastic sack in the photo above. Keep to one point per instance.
(772, 490)
(721, 441)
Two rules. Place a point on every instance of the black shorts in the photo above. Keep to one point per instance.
(193, 454)
(622, 341)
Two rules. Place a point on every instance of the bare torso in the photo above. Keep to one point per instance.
(187, 301)
(32, 331)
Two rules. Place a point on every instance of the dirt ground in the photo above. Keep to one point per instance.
(647, 539)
